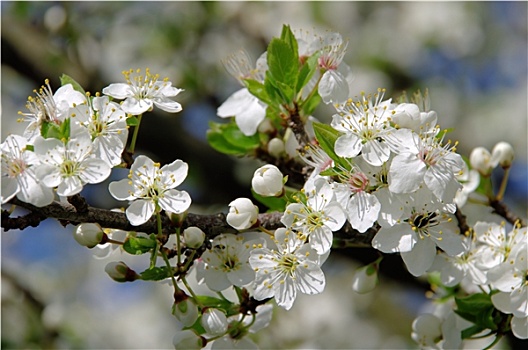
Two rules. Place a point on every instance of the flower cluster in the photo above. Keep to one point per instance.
(73, 139)
(380, 168)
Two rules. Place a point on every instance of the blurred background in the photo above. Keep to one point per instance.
(472, 56)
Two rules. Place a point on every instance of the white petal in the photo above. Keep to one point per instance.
(135, 107)
(406, 173)
(520, 327)
(140, 211)
(363, 210)
(9, 188)
(310, 280)
(242, 276)
(333, 87)
(168, 105)
(174, 173)
(69, 186)
(175, 201)
(321, 239)
(375, 152)
(348, 145)
(285, 293)
(121, 189)
(421, 257)
(250, 118)
(118, 90)
(96, 171)
(398, 238)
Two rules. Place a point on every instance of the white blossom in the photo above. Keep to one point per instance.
(226, 263)
(18, 174)
(148, 185)
(290, 267)
(267, 181)
(69, 165)
(142, 92)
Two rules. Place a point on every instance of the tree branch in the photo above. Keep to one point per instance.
(212, 224)
(501, 209)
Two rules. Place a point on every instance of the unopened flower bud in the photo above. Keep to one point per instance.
(242, 213)
(426, 330)
(276, 147)
(89, 234)
(188, 340)
(268, 181)
(502, 154)
(186, 312)
(214, 322)
(480, 159)
(365, 279)
(194, 237)
(120, 272)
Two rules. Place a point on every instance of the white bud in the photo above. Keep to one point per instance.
(242, 213)
(187, 339)
(186, 312)
(426, 330)
(265, 126)
(194, 237)
(88, 234)
(214, 322)
(480, 159)
(502, 154)
(365, 279)
(267, 181)
(120, 272)
(276, 147)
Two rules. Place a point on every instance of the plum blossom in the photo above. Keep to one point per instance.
(417, 235)
(242, 214)
(18, 173)
(49, 107)
(290, 267)
(70, 165)
(226, 263)
(247, 109)
(316, 218)
(148, 185)
(426, 160)
(367, 129)
(142, 92)
(106, 123)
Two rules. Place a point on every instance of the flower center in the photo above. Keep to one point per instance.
(288, 263)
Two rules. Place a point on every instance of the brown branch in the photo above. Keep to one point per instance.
(212, 224)
(501, 209)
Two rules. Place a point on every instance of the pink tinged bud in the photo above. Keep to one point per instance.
(186, 312)
(268, 181)
(194, 237)
(188, 340)
(214, 322)
(365, 279)
(242, 214)
(89, 235)
(480, 160)
(120, 272)
(502, 154)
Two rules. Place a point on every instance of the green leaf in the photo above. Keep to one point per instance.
(471, 331)
(258, 90)
(479, 309)
(327, 136)
(217, 140)
(235, 137)
(132, 121)
(307, 71)
(155, 274)
(66, 79)
(139, 245)
(217, 303)
(311, 104)
(56, 131)
(288, 37)
(273, 203)
(282, 62)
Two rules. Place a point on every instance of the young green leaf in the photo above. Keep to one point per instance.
(282, 62)
(155, 274)
(258, 90)
(138, 245)
(66, 79)
(327, 136)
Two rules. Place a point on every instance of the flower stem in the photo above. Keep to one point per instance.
(504, 182)
(135, 134)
